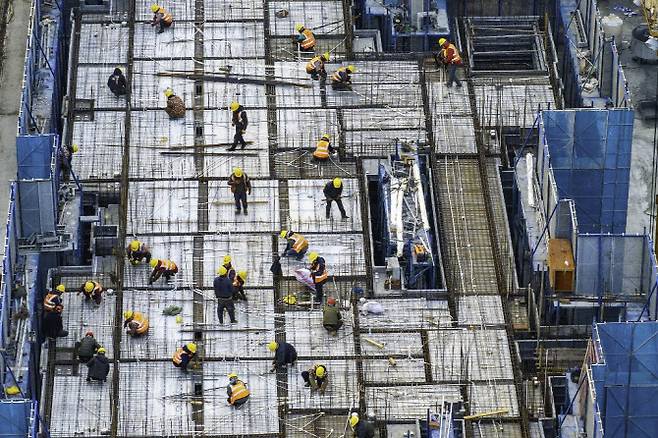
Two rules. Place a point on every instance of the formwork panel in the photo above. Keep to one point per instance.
(342, 389)
(175, 42)
(302, 128)
(103, 44)
(258, 416)
(342, 254)
(91, 417)
(315, 15)
(100, 145)
(295, 98)
(301, 164)
(155, 400)
(263, 208)
(180, 9)
(446, 103)
(409, 402)
(455, 135)
(163, 207)
(178, 249)
(492, 428)
(148, 87)
(220, 94)
(250, 252)
(493, 397)
(408, 343)
(235, 10)
(310, 338)
(447, 354)
(233, 40)
(480, 310)
(409, 313)
(91, 83)
(382, 372)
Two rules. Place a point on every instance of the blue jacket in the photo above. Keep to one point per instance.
(223, 287)
(285, 354)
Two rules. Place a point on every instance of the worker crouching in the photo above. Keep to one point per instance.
(161, 18)
(237, 391)
(315, 67)
(99, 367)
(138, 251)
(117, 83)
(238, 286)
(316, 378)
(175, 105)
(323, 149)
(284, 355)
(92, 290)
(184, 355)
(87, 347)
(305, 38)
(296, 246)
(341, 80)
(135, 323)
(361, 428)
(332, 320)
(162, 268)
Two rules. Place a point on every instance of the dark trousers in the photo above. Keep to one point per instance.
(240, 198)
(292, 253)
(238, 138)
(341, 86)
(452, 75)
(240, 402)
(319, 292)
(339, 203)
(307, 379)
(96, 297)
(333, 327)
(53, 327)
(225, 303)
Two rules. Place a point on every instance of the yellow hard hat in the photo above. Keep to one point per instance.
(153, 263)
(284, 234)
(313, 256)
(75, 148)
(60, 288)
(12, 390)
(299, 27)
(168, 92)
(320, 370)
(442, 41)
(222, 271)
(238, 172)
(227, 259)
(243, 275)
(101, 351)
(232, 376)
(154, 8)
(326, 56)
(326, 136)
(128, 314)
(134, 245)
(354, 419)
(290, 299)
(89, 286)
(351, 68)
(272, 346)
(338, 183)
(192, 347)
(234, 106)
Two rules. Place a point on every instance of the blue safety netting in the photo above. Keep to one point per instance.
(34, 154)
(15, 418)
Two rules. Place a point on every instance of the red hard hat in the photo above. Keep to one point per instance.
(89, 333)
(331, 301)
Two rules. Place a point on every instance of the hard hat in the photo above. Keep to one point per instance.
(299, 27)
(232, 376)
(168, 92)
(153, 263)
(222, 271)
(89, 333)
(227, 259)
(272, 346)
(354, 419)
(351, 68)
(326, 56)
(442, 41)
(89, 286)
(326, 136)
(128, 314)
(154, 8)
(290, 299)
(320, 370)
(234, 106)
(331, 301)
(238, 172)
(243, 275)
(191, 347)
(284, 234)
(313, 256)
(60, 288)
(338, 183)
(134, 245)
(75, 148)
(101, 351)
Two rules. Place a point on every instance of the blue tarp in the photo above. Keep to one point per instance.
(34, 155)
(15, 418)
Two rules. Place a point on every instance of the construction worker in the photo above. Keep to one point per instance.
(240, 122)
(238, 286)
(224, 294)
(333, 192)
(135, 323)
(92, 290)
(315, 67)
(297, 244)
(341, 79)
(99, 367)
(87, 347)
(227, 263)
(361, 428)
(237, 391)
(323, 148)
(53, 327)
(66, 160)
(162, 268)
(284, 354)
(319, 274)
(332, 320)
(175, 105)
(305, 38)
(138, 251)
(316, 378)
(449, 56)
(117, 83)
(240, 187)
(184, 355)
(161, 18)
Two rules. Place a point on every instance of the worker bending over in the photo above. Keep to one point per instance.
(361, 428)
(297, 245)
(237, 391)
(87, 347)
(341, 79)
(238, 286)
(161, 18)
(92, 290)
(240, 122)
(184, 355)
(284, 354)
(99, 367)
(449, 56)
(135, 323)
(323, 148)
(240, 187)
(333, 192)
(175, 105)
(316, 378)
(53, 327)
(224, 294)
(162, 268)
(138, 251)
(305, 38)
(117, 83)
(319, 274)
(332, 320)
(315, 67)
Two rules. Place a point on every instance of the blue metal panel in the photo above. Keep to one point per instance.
(35, 201)
(34, 156)
(15, 417)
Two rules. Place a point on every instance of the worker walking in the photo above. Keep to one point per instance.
(323, 148)
(87, 347)
(240, 187)
(135, 323)
(238, 286)
(361, 428)
(319, 274)
(240, 122)
(305, 38)
(316, 378)
(161, 18)
(297, 245)
(333, 192)
(341, 79)
(284, 354)
(175, 105)
(315, 67)
(117, 83)
(92, 290)
(184, 355)
(237, 391)
(224, 294)
(65, 155)
(162, 268)
(332, 320)
(138, 251)
(99, 367)
(449, 56)
(53, 327)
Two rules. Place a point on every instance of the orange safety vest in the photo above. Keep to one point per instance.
(309, 41)
(142, 323)
(49, 303)
(166, 16)
(319, 278)
(238, 392)
(321, 150)
(167, 265)
(299, 243)
(313, 65)
(456, 59)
